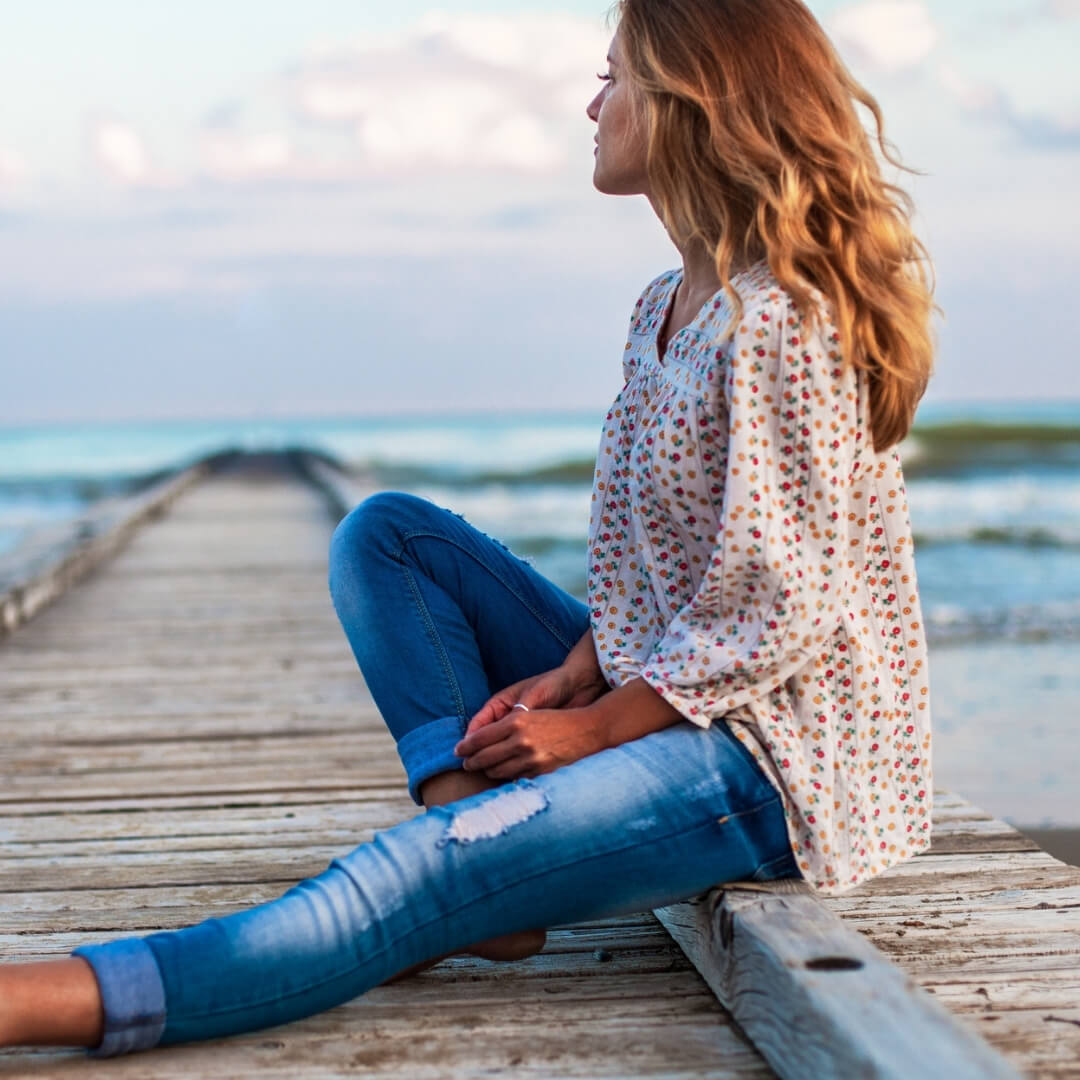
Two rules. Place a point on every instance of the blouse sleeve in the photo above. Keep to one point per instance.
(769, 595)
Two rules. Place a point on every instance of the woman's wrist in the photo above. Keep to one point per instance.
(582, 663)
(631, 711)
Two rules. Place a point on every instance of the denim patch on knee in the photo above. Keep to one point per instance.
(495, 815)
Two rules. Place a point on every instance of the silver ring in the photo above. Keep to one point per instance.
(523, 708)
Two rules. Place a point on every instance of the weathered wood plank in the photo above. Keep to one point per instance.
(356, 1040)
(183, 744)
(213, 647)
(39, 571)
(814, 997)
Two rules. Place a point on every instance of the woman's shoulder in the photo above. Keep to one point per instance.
(649, 305)
(760, 289)
(770, 309)
(763, 297)
(660, 285)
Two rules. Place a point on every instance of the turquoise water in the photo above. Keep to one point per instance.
(994, 492)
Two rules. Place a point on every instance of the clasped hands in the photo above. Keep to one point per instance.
(558, 725)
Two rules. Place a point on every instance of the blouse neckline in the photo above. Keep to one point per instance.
(668, 303)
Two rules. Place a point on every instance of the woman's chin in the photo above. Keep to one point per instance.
(604, 183)
(608, 184)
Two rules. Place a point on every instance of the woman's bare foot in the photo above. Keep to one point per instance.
(510, 946)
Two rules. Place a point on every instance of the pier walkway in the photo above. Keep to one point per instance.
(186, 732)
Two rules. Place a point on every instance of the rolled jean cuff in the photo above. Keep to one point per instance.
(132, 993)
(429, 749)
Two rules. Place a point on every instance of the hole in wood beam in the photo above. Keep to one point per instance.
(834, 963)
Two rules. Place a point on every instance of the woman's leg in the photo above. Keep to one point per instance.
(439, 617)
(643, 824)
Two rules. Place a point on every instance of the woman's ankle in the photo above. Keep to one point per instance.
(454, 784)
(50, 1003)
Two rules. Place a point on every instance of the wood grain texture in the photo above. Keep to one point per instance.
(985, 922)
(51, 560)
(817, 999)
(186, 733)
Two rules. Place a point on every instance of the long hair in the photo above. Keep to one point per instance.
(756, 149)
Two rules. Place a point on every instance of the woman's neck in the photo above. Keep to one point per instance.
(700, 279)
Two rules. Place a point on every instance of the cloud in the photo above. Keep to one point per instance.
(233, 156)
(892, 35)
(14, 172)
(461, 91)
(121, 153)
(1047, 131)
(1061, 9)
(972, 95)
(458, 137)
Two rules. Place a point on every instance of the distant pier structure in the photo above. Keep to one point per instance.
(184, 732)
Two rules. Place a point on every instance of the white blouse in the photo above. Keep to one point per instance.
(750, 557)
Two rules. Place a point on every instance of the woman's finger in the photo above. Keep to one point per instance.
(548, 692)
(483, 737)
(511, 769)
(491, 755)
(493, 709)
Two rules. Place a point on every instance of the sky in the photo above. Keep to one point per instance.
(260, 207)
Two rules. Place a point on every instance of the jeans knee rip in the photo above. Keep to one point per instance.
(496, 815)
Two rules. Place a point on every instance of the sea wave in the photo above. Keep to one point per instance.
(985, 446)
(946, 450)
(1011, 506)
(575, 472)
(1031, 538)
(553, 513)
(953, 625)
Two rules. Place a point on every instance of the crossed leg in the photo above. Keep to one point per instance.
(439, 617)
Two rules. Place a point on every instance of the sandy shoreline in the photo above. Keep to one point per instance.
(1063, 844)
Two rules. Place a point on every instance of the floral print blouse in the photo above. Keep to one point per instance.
(750, 557)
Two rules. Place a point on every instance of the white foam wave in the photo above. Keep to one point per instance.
(953, 509)
(512, 513)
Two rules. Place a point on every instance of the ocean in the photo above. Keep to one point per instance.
(994, 492)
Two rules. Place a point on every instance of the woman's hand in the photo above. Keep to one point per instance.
(531, 742)
(538, 738)
(561, 688)
(527, 742)
(577, 681)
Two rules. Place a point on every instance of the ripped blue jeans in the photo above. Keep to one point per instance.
(440, 616)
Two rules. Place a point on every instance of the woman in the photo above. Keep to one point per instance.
(744, 696)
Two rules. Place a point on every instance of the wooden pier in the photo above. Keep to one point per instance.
(186, 732)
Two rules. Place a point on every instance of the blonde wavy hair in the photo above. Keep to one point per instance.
(755, 148)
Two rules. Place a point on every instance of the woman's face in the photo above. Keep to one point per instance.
(620, 131)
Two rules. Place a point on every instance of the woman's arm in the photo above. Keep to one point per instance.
(790, 434)
(528, 743)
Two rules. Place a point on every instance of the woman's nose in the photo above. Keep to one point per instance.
(592, 110)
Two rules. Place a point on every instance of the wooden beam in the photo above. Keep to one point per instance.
(814, 997)
(38, 572)
(343, 489)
